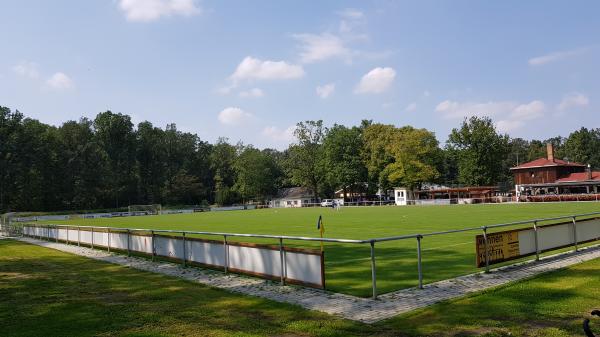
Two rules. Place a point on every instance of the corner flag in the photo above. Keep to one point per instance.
(321, 228)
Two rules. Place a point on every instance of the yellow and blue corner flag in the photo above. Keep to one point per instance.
(321, 228)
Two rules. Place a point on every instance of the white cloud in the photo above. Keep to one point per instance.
(351, 14)
(573, 100)
(233, 116)
(151, 10)
(553, 57)
(326, 90)
(26, 69)
(529, 111)
(411, 107)
(376, 81)
(453, 109)
(321, 47)
(280, 135)
(254, 69)
(252, 93)
(60, 81)
(510, 115)
(521, 114)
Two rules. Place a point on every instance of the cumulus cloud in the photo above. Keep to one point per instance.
(326, 90)
(452, 109)
(152, 10)
(411, 107)
(27, 69)
(573, 100)
(555, 56)
(510, 115)
(319, 47)
(252, 93)
(255, 69)
(233, 116)
(376, 81)
(60, 81)
(278, 134)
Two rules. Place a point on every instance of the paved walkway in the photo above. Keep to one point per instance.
(346, 306)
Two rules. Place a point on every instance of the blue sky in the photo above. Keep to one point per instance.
(249, 70)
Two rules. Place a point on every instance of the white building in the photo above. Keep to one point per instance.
(293, 197)
(403, 196)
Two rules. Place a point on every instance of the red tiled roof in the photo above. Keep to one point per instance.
(579, 176)
(543, 162)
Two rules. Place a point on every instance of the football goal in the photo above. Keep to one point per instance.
(154, 209)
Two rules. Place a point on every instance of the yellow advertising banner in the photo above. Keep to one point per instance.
(502, 246)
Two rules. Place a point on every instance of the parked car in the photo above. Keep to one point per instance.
(327, 203)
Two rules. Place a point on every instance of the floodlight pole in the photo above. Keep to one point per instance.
(373, 273)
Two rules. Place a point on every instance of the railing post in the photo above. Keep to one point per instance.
(108, 245)
(92, 237)
(78, 236)
(67, 234)
(575, 234)
(225, 253)
(486, 250)
(183, 257)
(128, 249)
(537, 243)
(281, 259)
(57, 231)
(153, 246)
(373, 273)
(419, 265)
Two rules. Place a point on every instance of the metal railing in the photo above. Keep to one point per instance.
(372, 242)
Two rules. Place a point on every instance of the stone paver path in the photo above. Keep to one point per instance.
(346, 306)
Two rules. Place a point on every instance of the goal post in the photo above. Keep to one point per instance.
(153, 209)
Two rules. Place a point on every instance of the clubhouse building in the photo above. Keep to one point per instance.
(552, 179)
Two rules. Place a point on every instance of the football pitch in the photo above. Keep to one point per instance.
(347, 266)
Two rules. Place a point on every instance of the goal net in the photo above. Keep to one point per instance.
(154, 209)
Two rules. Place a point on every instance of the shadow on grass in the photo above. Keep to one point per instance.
(50, 293)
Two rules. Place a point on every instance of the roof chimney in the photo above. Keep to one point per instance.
(550, 151)
(589, 172)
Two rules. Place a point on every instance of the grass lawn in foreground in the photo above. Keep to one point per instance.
(347, 267)
(44, 292)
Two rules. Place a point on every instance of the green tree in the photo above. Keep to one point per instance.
(257, 174)
(304, 158)
(480, 151)
(114, 133)
(342, 159)
(583, 146)
(222, 161)
(416, 157)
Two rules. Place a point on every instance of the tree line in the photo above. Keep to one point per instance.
(108, 162)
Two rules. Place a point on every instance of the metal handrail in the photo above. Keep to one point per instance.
(305, 238)
(372, 242)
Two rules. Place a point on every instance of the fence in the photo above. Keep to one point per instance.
(581, 228)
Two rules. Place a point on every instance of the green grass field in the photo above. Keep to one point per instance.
(348, 266)
(45, 292)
